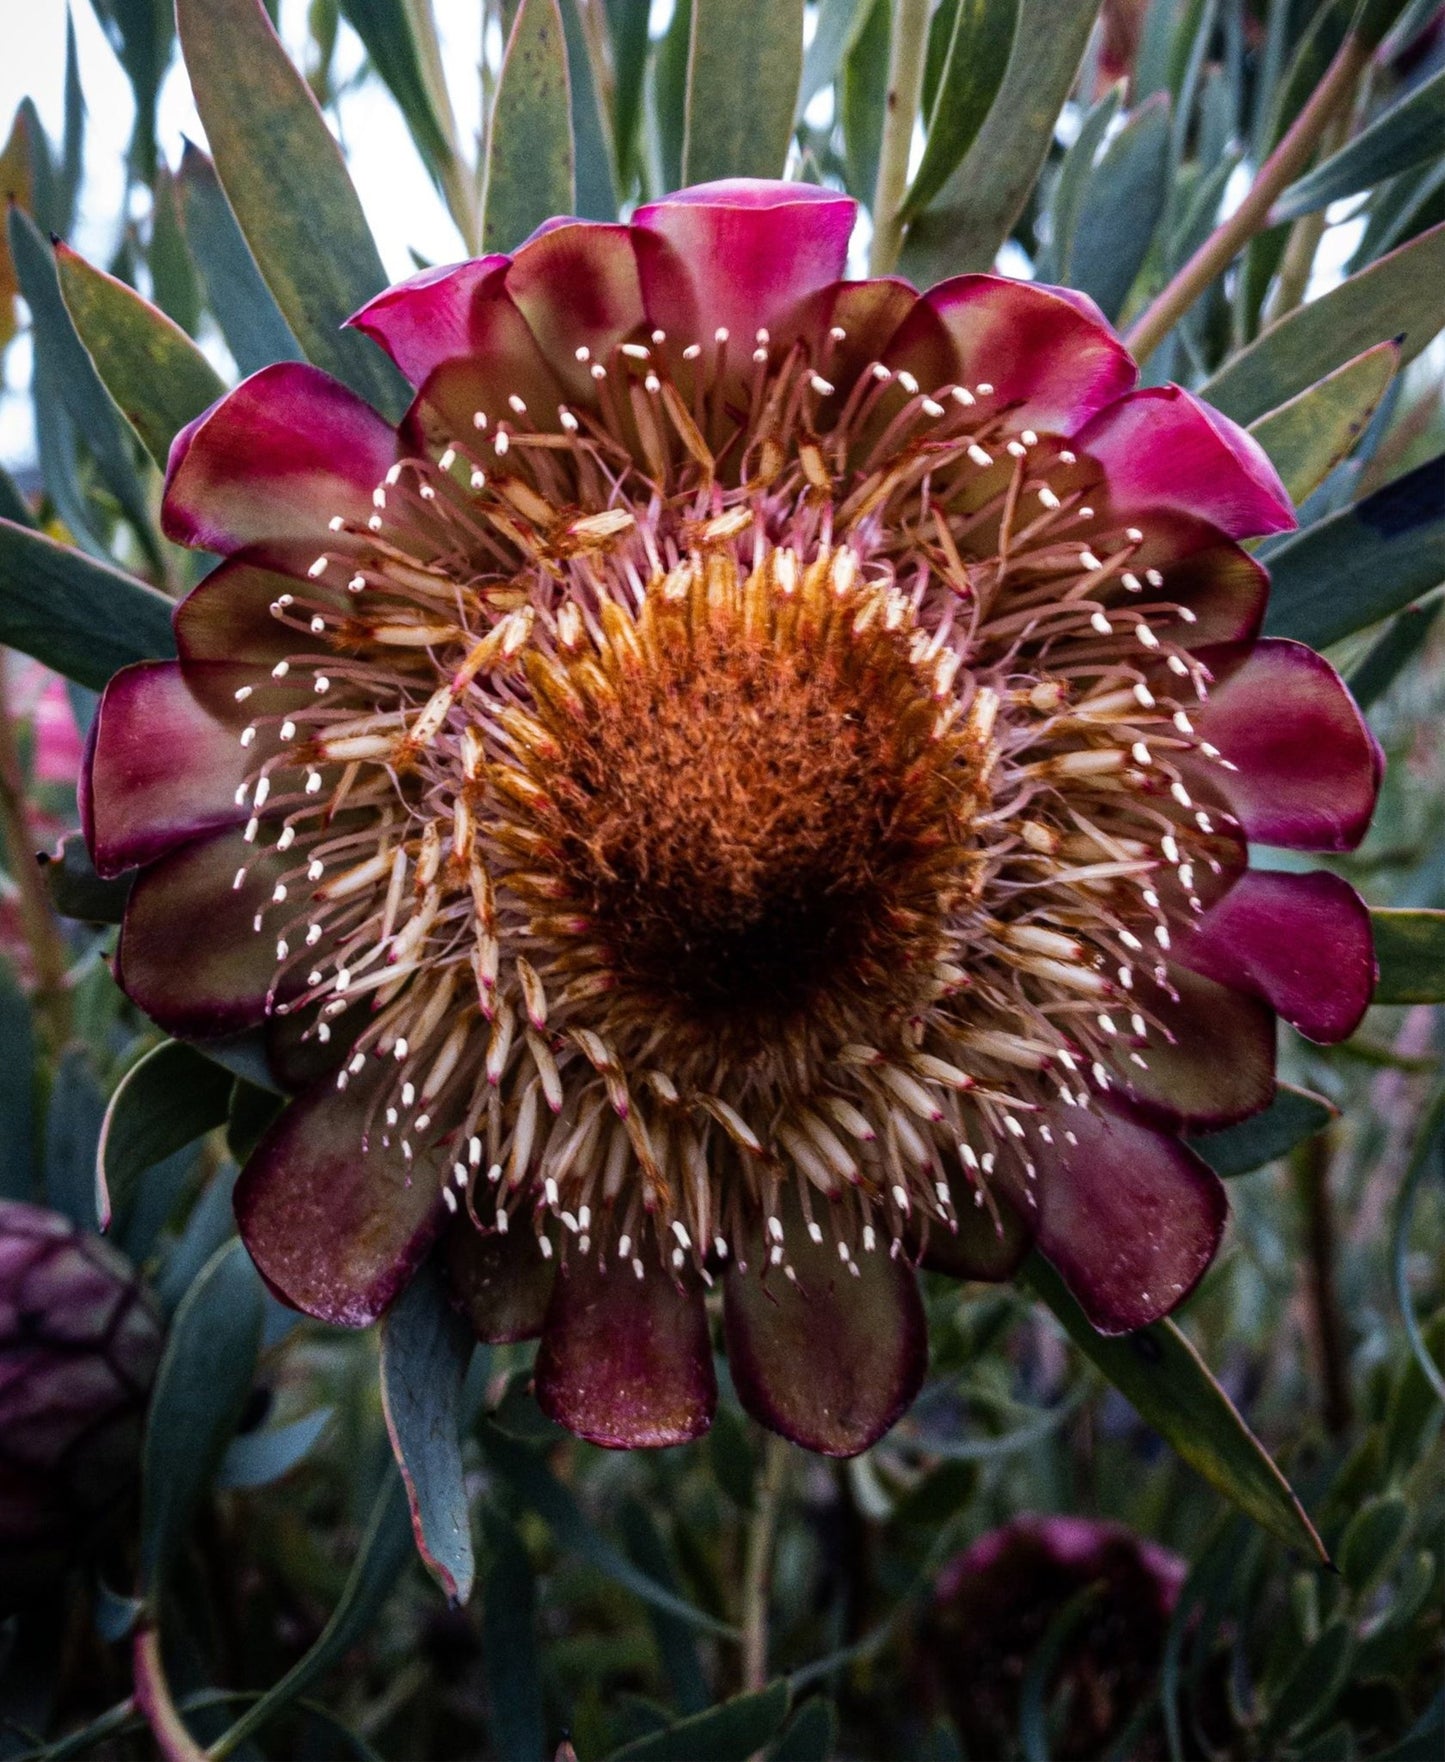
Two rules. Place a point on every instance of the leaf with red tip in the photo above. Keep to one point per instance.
(425, 1350)
(1129, 1216)
(1301, 942)
(626, 1362)
(336, 1220)
(832, 1360)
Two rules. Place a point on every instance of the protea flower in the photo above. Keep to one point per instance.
(994, 1603)
(747, 787)
(79, 1344)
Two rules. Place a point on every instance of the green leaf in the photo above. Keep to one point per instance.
(17, 1091)
(425, 1349)
(1309, 435)
(257, 1459)
(509, 1645)
(744, 72)
(1370, 1541)
(628, 21)
(1393, 652)
(839, 23)
(669, 86)
(80, 617)
(596, 197)
(1397, 297)
(173, 274)
(1410, 948)
(1073, 174)
(973, 71)
(380, 1561)
(288, 186)
(200, 1389)
(1293, 1116)
(1313, 1685)
(72, 1126)
(1120, 207)
(386, 33)
(530, 152)
(158, 377)
(1356, 567)
(75, 890)
(1407, 135)
(165, 1101)
(977, 207)
(536, 1486)
(1161, 1374)
(729, 1732)
(244, 307)
(676, 1646)
(70, 371)
(811, 1735)
(863, 101)
(141, 32)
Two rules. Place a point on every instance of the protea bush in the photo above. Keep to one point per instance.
(724, 800)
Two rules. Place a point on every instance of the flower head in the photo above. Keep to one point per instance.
(995, 1603)
(79, 1345)
(748, 787)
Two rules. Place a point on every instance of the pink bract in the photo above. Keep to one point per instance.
(746, 790)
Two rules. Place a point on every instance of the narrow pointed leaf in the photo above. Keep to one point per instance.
(174, 281)
(17, 1091)
(1120, 207)
(158, 377)
(1356, 567)
(1397, 297)
(1309, 435)
(256, 333)
(1161, 1374)
(386, 33)
(596, 197)
(975, 210)
(257, 1459)
(75, 890)
(1407, 135)
(1410, 947)
(72, 373)
(380, 1561)
(839, 22)
(730, 1732)
(973, 70)
(530, 154)
(1293, 1116)
(200, 1389)
(167, 1100)
(425, 1349)
(745, 65)
(80, 617)
(288, 186)
(509, 1645)
(1391, 653)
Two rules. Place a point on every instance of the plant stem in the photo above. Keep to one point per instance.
(153, 1697)
(1310, 1166)
(48, 952)
(1252, 215)
(907, 52)
(758, 1563)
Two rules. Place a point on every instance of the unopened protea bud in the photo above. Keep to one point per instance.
(79, 1342)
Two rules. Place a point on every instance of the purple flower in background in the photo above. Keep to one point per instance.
(746, 790)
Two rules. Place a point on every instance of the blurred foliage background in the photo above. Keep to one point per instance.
(1254, 190)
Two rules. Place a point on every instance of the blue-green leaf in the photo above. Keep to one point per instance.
(256, 1459)
(17, 1091)
(745, 67)
(1293, 1116)
(530, 152)
(165, 1101)
(1161, 1374)
(839, 22)
(425, 1349)
(1309, 435)
(509, 1645)
(75, 890)
(386, 32)
(1397, 297)
(1407, 135)
(200, 1389)
(729, 1732)
(596, 197)
(1410, 947)
(811, 1735)
(973, 70)
(1392, 652)
(1120, 207)
(1356, 567)
(288, 186)
(976, 209)
(72, 1127)
(256, 333)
